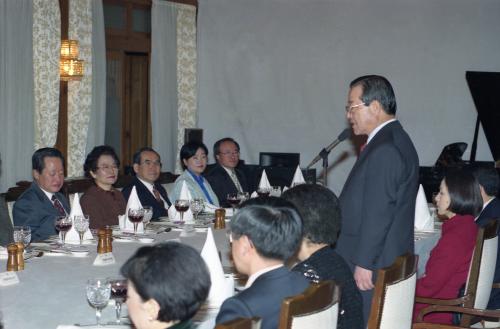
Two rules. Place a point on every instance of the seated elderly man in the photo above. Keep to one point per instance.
(41, 203)
(320, 211)
(225, 178)
(147, 167)
(265, 233)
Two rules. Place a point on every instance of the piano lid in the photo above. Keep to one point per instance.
(485, 90)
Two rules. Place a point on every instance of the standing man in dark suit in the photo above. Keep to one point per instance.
(225, 178)
(488, 185)
(42, 202)
(378, 198)
(265, 233)
(147, 167)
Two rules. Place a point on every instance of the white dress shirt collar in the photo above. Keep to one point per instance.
(254, 276)
(377, 129)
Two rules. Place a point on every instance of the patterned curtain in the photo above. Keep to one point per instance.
(186, 72)
(79, 92)
(46, 48)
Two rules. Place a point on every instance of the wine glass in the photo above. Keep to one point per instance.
(98, 293)
(63, 225)
(233, 199)
(148, 214)
(197, 206)
(18, 234)
(244, 196)
(81, 223)
(118, 293)
(136, 216)
(26, 235)
(181, 206)
(263, 191)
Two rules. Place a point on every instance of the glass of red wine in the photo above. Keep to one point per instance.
(63, 225)
(118, 294)
(135, 216)
(234, 200)
(181, 206)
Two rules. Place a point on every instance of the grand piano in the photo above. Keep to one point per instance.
(484, 88)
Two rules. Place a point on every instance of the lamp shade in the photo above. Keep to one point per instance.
(71, 69)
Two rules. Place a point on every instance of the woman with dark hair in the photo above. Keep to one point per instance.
(193, 157)
(155, 302)
(102, 202)
(320, 211)
(459, 201)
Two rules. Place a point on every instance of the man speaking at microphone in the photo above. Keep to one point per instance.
(378, 198)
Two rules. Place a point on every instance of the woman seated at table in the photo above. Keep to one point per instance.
(458, 201)
(102, 202)
(194, 161)
(167, 283)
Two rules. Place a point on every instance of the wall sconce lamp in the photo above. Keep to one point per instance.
(70, 67)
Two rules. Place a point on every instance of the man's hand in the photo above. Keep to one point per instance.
(363, 278)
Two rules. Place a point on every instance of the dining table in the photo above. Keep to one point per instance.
(51, 291)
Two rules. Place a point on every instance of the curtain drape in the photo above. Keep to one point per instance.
(79, 92)
(46, 50)
(172, 78)
(16, 91)
(95, 135)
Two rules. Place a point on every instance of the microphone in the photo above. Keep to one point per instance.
(345, 134)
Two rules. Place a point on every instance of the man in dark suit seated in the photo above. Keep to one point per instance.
(265, 233)
(225, 178)
(41, 203)
(147, 168)
(488, 185)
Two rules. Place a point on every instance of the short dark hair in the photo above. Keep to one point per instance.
(136, 159)
(38, 158)
(189, 149)
(376, 87)
(272, 224)
(465, 196)
(223, 140)
(320, 211)
(487, 177)
(171, 273)
(94, 155)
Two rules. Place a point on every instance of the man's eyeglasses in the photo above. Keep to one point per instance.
(230, 153)
(152, 163)
(350, 108)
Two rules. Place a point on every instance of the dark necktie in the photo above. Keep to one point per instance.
(57, 204)
(362, 147)
(157, 194)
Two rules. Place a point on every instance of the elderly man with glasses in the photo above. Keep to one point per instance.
(225, 178)
(147, 168)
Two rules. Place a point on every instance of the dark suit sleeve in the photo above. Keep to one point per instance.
(231, 309)
(378, 202)
(27, 212)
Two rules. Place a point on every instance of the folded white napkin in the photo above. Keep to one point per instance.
(298, 178)
(72, 236)
(3, 253)
(264, 182)
(133, 203)
(423, 218)
(222, 286)
(254, 194)
(284, 189)
(174, 215)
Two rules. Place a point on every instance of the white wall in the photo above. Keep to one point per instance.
(274, 74)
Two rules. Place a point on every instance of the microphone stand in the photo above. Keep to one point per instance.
(324, 155)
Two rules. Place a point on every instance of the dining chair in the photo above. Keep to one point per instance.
(472, 305)
(240, 323)
(393, 295)
(316, 308)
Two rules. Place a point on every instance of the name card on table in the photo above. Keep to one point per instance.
(104, 259)
(8, 278)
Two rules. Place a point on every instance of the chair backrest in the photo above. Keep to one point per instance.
(394, 294)
(316, 308)
(240, 323)
(482, 270)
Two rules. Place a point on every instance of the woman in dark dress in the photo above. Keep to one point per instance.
(320, 212)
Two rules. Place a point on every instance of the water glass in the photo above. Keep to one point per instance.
(98, 294)
(197, 206)
(148, 215)
(81, 223)
(22, 234)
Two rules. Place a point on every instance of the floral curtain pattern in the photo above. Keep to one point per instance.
(79, 92)
(46, 49)
(186, 72)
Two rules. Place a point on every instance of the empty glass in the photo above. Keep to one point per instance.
(98, 293)
(197, 206)
(148, 214)
(81, 223)
(22, 234)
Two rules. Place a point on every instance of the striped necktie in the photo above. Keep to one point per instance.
(235, 180)
(57, 204)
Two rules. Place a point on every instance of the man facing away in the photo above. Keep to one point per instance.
(265, 233)
(147, 168)
(378, 198)
(225, 178)
(488, 185)
(40, 205)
